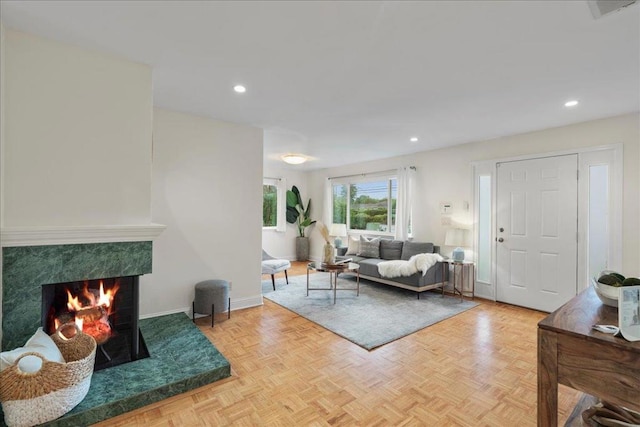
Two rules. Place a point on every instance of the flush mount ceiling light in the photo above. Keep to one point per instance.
(413, 139)
(240, 88)
(294, 159)
(571, 103)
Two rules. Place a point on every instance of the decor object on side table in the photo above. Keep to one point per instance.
(328, 252)
(297, 214)
(458, 237)
(338, 231)
(608, 283)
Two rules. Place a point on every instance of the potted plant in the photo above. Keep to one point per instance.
(297, 214)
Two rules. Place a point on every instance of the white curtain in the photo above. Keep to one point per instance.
(327, 214)
(281, 223)
(406, 183)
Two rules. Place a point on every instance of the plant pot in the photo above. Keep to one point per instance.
(302, 248)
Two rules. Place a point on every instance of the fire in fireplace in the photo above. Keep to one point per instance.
(90, 311)
(106, 309)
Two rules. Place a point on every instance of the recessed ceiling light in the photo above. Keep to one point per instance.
(571, 103)
(294, 159)
(414, 139)
(240, 88)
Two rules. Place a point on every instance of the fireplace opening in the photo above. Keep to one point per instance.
(106, 309)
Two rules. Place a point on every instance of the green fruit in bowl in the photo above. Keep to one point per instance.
(631, 281)
(608, 284)
(618, 275)
(611, 280)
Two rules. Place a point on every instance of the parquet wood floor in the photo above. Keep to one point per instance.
(475, 369)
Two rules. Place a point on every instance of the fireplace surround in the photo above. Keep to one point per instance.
(181, 357)
(26, 268)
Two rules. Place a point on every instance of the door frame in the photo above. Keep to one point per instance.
(489, 167)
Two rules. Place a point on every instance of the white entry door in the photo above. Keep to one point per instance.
(537, 225)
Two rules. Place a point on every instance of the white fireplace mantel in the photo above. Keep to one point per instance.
(37, 236)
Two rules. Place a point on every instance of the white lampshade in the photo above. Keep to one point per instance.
(458, 237)
(338, 231)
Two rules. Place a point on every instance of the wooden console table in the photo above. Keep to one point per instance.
(570, 352)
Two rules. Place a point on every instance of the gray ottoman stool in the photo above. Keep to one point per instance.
(212, 296)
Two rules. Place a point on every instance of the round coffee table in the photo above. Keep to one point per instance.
(334, 270)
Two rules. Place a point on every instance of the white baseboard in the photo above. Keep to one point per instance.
(236, 304)
(240, 303)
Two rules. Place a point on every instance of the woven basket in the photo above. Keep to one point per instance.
(35, 398)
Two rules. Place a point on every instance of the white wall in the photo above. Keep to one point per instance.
(445, 175)
(77, 151)
(282, 244)
(207, 190)
(77, 136)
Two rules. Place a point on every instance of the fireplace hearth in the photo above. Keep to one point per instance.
(106, 309)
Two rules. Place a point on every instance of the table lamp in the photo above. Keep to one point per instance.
(458, 237)
(338, 230)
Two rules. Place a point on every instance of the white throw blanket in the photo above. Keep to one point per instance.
(398, 268)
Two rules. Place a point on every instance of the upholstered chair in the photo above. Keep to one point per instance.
(271, 265)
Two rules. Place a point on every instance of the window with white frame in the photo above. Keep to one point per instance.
(367, 204)
(271, 202)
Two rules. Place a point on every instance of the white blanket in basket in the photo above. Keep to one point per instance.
(399, 268)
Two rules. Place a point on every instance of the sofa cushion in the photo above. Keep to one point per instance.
(351, 258)
(369, 247)
(410, 249)
(353, 246)
(391, 249)
(369, 266)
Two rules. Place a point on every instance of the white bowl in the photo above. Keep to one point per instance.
(607, 294)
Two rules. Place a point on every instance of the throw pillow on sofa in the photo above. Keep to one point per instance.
(369, 248)
(353, 246)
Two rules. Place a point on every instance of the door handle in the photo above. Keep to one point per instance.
(500, 240)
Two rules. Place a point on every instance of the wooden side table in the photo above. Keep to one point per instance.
(570, 352)
(461, 266)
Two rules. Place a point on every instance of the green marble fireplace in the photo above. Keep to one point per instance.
(181, 357)
(26, 268)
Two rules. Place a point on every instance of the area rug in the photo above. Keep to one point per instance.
(381, 314)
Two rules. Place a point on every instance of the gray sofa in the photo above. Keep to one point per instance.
(436, 276)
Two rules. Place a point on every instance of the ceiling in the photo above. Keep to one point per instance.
(345, 82)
